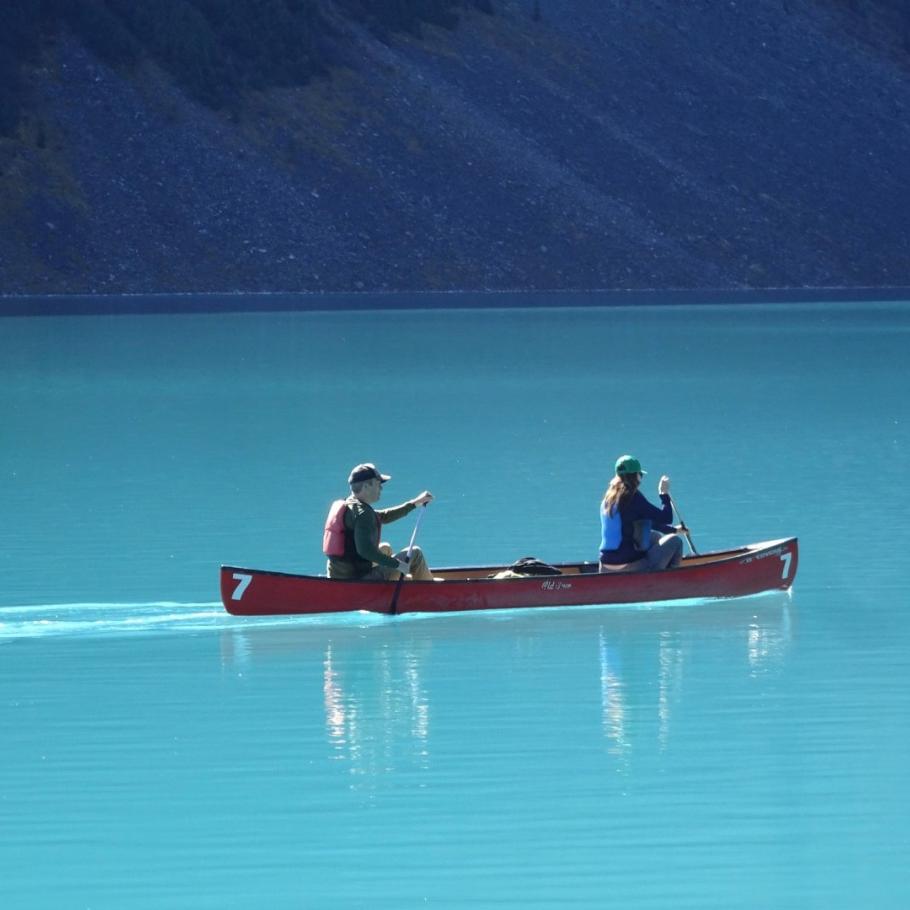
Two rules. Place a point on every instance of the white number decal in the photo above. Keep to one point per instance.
(244, 583)
(784, 557)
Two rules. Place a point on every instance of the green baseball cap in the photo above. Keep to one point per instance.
(626, 464)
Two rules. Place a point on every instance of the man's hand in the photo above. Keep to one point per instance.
(663, 485)
(425, 497)
(403, 567)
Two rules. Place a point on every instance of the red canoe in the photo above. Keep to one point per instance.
(766, 566)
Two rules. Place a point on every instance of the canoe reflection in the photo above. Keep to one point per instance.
(764, 630)
(400, 706)
(385, 685)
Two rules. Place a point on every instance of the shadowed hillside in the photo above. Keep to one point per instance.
(381, 146)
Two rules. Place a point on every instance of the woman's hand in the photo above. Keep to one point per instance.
(663, 486)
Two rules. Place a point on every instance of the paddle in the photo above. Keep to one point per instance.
(682, 521)
(407, 559)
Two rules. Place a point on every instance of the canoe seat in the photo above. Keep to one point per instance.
(640, 565)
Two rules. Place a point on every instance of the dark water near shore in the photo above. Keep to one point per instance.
(739, 754)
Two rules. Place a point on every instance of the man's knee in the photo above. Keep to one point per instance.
(417, 558)
(417, 565)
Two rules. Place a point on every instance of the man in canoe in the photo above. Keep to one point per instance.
(636, 535)
(353, 527)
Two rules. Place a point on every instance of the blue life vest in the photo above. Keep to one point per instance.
(611, 529)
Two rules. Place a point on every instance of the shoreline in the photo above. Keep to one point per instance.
(284, 301)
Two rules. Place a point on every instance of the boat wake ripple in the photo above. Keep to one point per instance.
(118, 618)
(47, 620)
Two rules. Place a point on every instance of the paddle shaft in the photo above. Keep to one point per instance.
(682, 521)
(407, 558)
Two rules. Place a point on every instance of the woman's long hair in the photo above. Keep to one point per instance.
(622, 486)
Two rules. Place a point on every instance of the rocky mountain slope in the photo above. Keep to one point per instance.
(602, 144)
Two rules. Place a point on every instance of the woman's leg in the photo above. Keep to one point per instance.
(665, 551)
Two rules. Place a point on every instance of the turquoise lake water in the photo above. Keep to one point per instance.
(158, 753)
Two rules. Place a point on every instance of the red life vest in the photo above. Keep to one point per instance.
(333, 536)
(337, 540)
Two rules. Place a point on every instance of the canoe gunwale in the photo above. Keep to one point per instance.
(688, 562)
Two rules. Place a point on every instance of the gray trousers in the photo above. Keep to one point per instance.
(665, 551)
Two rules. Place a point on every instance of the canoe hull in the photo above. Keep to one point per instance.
(766, 566)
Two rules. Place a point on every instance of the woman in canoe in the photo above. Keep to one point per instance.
(636, 535)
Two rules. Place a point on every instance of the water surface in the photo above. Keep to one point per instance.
(157, 752)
